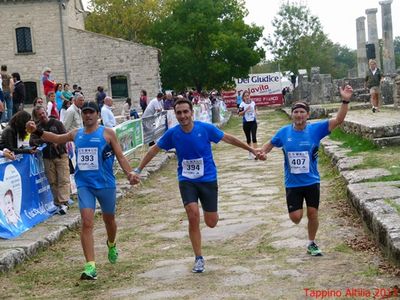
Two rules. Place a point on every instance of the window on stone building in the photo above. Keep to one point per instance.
(119, 86)
(24, 40)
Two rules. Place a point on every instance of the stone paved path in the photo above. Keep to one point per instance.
(255, 252)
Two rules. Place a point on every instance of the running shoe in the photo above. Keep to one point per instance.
(62, 209)
(373, 109)
(112, 253)
(198, 265)
(89, 273)
(314, 250)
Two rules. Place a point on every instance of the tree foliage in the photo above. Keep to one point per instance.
(205, 43)
(127, 19)
(344, 59)
(298, 41)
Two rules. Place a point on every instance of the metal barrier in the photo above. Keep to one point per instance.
(154, 127)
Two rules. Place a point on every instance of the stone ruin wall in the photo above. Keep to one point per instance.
(322, 89)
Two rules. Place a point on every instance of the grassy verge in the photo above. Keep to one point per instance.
(354, 142)
(373, 156)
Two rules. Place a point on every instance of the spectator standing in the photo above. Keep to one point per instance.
(1, 99)
(66, 93)
(126, 109)
(59, 100)
(49, 85)
(100, 95)
(107, 116)
(155, 106)
(96, 148)
(143, 100)
(75, 89)
(238, 99)
(13, 136)
(66, 104)
(373, 81)
(18, 96)
(7, 87)
(55, 159)
(169, 101)
(38, 101)
(52, 110)
(73, 117)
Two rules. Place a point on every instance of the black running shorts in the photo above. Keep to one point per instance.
(207, 192)
(295, 197)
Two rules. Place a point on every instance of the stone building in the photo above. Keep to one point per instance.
(51, 33)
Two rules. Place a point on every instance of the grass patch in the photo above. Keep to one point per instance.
(343, 248)
(393, 204)
(354, 142)
(371, 271)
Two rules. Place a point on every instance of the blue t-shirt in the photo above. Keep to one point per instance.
(300, 149)
(59, 100)
(195, 159)
(94, 160)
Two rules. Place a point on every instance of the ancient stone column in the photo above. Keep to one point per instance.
(373, 33)
(397, 91)
(361, 51)
(388, 62)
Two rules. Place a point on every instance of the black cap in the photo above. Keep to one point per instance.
(90, 105)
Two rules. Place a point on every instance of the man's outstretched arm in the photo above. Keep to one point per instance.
(230, 139)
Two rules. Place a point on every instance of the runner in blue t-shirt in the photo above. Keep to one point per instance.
(95, 147)
(300, 142)
(197, 173)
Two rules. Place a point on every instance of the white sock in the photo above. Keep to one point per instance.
(310, 242)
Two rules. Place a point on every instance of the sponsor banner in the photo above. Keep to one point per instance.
(154, 127)
(265, 89)
(25, 194)
(130, 135)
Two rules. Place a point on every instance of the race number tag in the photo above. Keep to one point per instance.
(193, 168)
(299, 162)
(87, 159)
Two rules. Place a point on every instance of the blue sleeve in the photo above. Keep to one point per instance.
(165, 142)
(322, 129)
(214, 133)
(277, 139)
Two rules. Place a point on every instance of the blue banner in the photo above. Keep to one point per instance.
(25, 194)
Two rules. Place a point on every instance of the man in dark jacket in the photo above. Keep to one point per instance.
(18, 94)
(373, 81)
(55, 159)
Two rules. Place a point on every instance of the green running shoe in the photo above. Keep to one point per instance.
(89, 273)
(112, 253)
(314, 250)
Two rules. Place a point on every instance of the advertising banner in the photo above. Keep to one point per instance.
(130, 135)
(154, 126)
(25, 195)
(265, 89)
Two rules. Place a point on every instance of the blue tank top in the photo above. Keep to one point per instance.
(94, 160)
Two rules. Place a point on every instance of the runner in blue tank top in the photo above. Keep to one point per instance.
(197, 173)
(96, 147)
(300, 142)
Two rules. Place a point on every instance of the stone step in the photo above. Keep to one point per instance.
(372, 126)
(387, 141)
